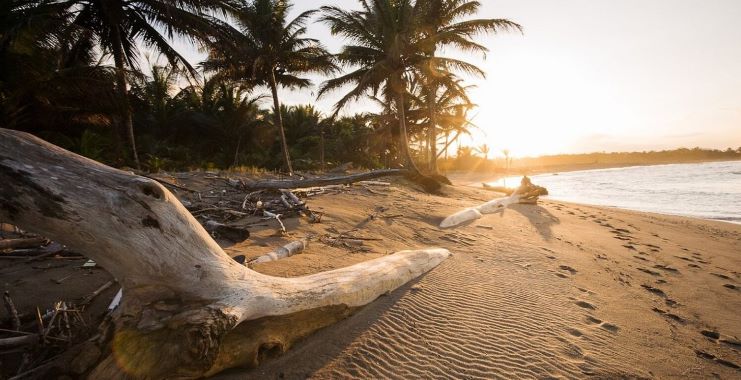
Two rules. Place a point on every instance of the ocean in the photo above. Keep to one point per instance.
(710, 190)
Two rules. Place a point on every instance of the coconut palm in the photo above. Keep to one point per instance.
(380, 52)
(447, 23)
(270, 50)
(119, 25)
(485, 150)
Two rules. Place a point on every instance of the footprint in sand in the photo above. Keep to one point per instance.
(610, 327)
(649, 271)
(730, 286)
(668, 301)
(711, 357)
(666, 268)
(593, 321)
(585, 305)
(653, 290)
(567, 268)
(668, 315)
(721, 276)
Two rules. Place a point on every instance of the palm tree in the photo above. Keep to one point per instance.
(118, 25)
(221, 115)
(381, 53)
(507, 160)
(445, 23)
(484, 149)
(270, 50)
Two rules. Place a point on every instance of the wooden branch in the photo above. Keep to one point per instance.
(21, 243)
(23, 340)
(12, 311)
(94, 294)
(323, 181)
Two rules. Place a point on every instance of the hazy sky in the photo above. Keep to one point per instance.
(599, 75)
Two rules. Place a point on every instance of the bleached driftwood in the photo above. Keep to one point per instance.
(473, 213)
(188, 310)
(287, 250)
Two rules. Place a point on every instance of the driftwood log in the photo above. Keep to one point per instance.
(188, 310)
(429, 184)
(279, 184)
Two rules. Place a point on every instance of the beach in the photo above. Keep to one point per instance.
(538, 291)
(553, 290)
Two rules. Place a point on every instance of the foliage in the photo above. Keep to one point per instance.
(71, 72)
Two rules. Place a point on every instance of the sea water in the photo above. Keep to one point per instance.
(710, 190)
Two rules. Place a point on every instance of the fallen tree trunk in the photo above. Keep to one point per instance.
(323, 181)
(188, 309)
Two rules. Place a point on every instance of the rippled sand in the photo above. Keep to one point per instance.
(553, 290)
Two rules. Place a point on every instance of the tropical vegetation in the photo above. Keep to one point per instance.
(106, 79)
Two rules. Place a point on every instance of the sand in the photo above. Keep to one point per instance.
(554, 290)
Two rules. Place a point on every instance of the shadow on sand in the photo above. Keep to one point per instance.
(322, 347)
(539, 217)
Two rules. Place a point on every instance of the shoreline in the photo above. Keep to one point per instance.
(530, 171)
(474, 180)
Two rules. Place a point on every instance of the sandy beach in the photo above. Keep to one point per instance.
(553, 290)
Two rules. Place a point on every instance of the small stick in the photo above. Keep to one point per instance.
(61, 280)
(39, 321)
(94, 294)
(16, 332)
(10, 306)
(270, 215)
(25, 340)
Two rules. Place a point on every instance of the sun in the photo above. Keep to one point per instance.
(534, 109)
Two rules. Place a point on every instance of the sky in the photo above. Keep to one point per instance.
(594, 75)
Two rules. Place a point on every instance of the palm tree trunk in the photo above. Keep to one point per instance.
(279, 122)
(236, 152)
(128, 123)
(321, 146)
(447, 136)
(432, 130)
(403, 139)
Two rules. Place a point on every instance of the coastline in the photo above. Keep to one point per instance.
(483, 176)
(589, 197)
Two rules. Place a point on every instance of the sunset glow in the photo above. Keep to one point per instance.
(603, 76)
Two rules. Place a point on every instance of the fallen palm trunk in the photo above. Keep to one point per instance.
(323, 181)
(188, 310)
